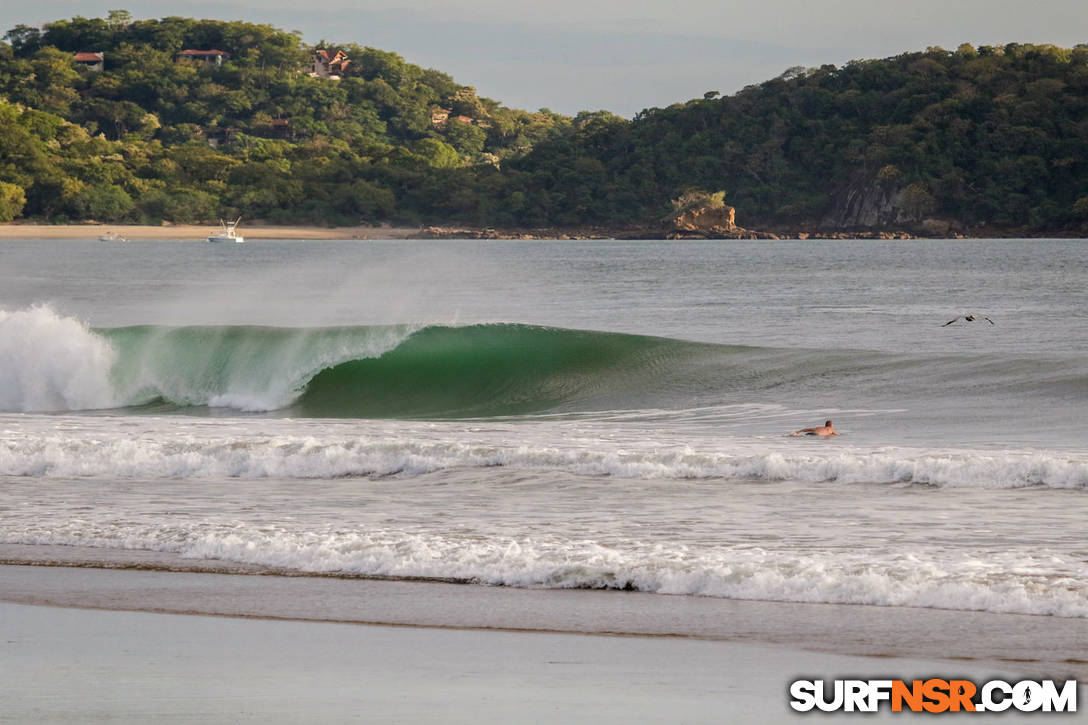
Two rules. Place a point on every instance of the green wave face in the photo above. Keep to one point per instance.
(393, 371)
(489, 370)
(243, 367)
(511, 369)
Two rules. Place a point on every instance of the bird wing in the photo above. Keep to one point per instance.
(951, 321)
(987, 319)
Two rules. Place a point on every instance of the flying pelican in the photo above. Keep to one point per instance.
(969, 318)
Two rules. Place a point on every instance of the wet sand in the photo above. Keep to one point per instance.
(89, 644)
(1040, 646)
(71, 665)
(1035, 646)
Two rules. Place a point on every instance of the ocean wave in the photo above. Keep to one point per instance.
(57, 363)
(184, 456)
(1040, 583)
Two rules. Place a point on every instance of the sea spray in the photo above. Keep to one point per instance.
(53, 363)
(245, 368)
(50, 362)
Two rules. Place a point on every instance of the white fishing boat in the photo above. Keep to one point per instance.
(111, 237)
(227, 232)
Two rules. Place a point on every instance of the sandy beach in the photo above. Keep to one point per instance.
(131, 667)
(158, 582)
(95, 645)
(184, 232)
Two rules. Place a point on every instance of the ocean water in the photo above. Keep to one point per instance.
(608, 415)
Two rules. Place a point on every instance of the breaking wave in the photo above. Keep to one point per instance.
(1018, 582)
(57, 363)
(117, 455)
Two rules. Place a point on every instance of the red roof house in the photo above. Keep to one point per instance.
(328, 64)
(94, 61)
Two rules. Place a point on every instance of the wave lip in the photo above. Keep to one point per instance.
(246, 368)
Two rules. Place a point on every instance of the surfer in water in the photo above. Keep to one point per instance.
(827, 429)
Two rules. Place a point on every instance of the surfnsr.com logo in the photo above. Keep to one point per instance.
(933, 695)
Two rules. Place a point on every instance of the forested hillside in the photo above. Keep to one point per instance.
(159, 134)
(971, 138)
(975, 139)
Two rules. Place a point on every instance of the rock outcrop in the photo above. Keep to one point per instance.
(711, 220)
(706, 220)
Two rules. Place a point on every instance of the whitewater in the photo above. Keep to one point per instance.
(555, 415)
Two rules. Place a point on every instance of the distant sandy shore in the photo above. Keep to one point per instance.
(194, 232)
(197, 231)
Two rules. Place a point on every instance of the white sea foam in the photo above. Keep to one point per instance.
(559, 504)
(164, 454)
(49, 362)
(1037, 583)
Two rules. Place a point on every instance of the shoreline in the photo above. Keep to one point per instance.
(1032, 645)
(201, 647)
(187, 232)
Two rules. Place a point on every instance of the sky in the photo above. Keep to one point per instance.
(619, 55)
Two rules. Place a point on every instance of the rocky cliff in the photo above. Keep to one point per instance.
(711, 220)
(706, 220)
(865, 205)
(872, 204)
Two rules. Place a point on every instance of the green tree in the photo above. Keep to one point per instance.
(102, 203)
(917, 201)
(1080, 208)
(179, 205)
(118, 19)
(12, 201)
(465, 137)
(436, 153)
(24, 39)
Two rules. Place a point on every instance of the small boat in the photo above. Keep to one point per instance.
(227, 233)
(111, 237)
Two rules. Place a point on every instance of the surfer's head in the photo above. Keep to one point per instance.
(827, 423)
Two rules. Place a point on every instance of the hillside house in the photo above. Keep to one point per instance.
(215, 57)
(91, 61)
(439, 117)
(328, 64)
